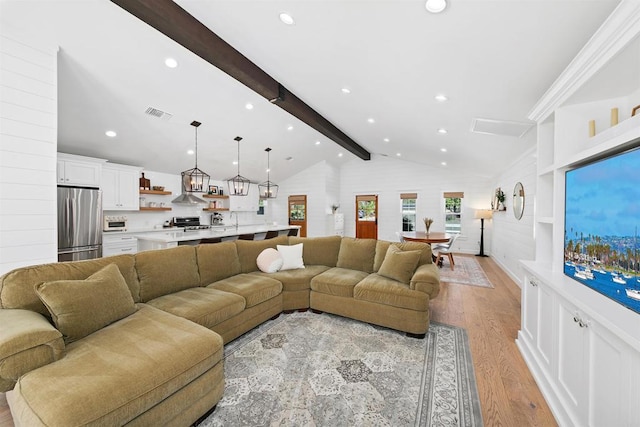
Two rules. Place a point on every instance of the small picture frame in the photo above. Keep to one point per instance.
(213, 189)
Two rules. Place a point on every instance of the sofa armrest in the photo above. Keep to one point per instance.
(27, 341)
(426, 279)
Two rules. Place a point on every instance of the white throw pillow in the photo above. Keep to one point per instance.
(292, 256)
(269, 261)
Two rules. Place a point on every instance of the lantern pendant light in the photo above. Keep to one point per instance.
(268, 190)
(193, 180)
(238, 185)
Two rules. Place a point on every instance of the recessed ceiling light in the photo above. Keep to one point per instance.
(441, 98)
(171, 63)
(442, 131)
(317, 142)
(386, 140)
(443, 163)
(398, 154)
(249, 106)
(444, 150)
(436, 6)
(371, 120)
(286, 18)
(289, 158)
(111, 133)
(339, 154)
(346, 90)
(289, 127)
(190, 152)
(235, 162)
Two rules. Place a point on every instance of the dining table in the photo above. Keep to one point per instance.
(421, 236)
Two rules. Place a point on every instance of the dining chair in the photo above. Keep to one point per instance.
(246, 236)
(445, 249)
(271, 234)
(293, 232)
(210, 240)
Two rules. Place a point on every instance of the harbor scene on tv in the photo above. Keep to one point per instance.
(602, 212)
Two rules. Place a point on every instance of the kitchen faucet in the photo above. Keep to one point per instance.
(231, 214)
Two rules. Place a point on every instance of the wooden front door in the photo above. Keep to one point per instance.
(298, 213)
(367, 217)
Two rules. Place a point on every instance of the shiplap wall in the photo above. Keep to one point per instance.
(28, 145)
(389, 177)
(512, 239)
(312, 182)
(386, 177)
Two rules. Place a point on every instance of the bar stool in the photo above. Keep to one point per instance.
(271, 235)
(246, 236)
(210, 240)
(293, 232)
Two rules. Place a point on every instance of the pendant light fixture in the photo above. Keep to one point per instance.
(193, 180)
(268, 190)
(238, 185)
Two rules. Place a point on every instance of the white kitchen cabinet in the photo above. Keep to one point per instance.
(118, 244)
(248, 203)
(120, 188)
(74, 171)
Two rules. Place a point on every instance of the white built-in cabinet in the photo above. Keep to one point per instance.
(582, 348)
(78, 171)
(120, 188)
(118, 244)
(248, 203)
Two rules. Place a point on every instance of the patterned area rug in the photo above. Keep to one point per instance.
(467, 271)
(306, 369)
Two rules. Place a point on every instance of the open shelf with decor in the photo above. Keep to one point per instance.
(215, 209)
(156, 192)
(154, 208)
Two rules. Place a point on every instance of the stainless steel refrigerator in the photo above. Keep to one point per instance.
(79, 223)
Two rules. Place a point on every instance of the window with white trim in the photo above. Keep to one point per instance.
(408, 206)
(453, 212)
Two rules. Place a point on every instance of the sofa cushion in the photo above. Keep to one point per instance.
(357, 254)
(270, 260)
(319, 250)
(166, 271)
(425, 248)
(205, 306)
(291, 256)
(217, 262)
(81, 307)
(382, 290)
(381, 252)
(295, 280)
(248, 251)
(121, 371)
(17, 287)
(253, 288)
(337, 281)
(399, 265)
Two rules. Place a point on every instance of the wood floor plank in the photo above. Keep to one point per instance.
(508, 393)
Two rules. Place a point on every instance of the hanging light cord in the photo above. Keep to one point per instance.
(238, 158)
(196, 147)
(268, 173)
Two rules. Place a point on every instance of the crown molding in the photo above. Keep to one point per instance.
(617, 31)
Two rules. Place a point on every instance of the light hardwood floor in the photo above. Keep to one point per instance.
(508, 394)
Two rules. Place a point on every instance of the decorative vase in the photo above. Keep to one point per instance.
(428, 226)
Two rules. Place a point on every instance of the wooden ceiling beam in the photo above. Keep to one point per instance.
(177, 24)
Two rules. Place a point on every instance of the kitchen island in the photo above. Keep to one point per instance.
(178, 237)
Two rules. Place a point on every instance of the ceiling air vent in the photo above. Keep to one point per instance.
(500, 127)
(158, 113)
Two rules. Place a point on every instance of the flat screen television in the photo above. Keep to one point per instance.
(602, 214)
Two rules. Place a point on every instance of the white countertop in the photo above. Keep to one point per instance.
(227, 231)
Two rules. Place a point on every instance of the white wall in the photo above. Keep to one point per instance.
(28, 145)
(326, 185)
(512, 239)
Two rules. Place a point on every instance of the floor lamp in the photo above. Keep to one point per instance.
(483, 214)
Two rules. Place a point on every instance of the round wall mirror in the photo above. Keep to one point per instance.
(518, 200)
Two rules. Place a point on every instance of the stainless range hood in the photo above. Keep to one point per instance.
(187, 198)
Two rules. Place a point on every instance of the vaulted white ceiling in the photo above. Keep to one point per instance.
(493, 59)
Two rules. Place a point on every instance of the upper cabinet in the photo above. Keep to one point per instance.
(78, 171)
(120, 188)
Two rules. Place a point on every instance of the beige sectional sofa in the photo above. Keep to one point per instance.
(138, 339)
